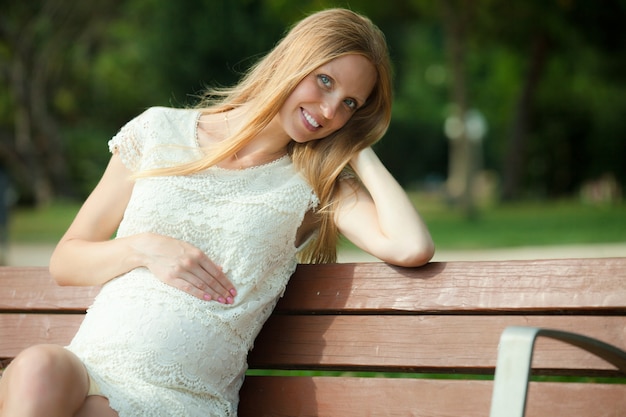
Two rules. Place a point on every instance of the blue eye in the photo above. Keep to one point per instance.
(351, 103)
(325, 80)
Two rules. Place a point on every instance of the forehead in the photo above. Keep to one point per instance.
(355, 74)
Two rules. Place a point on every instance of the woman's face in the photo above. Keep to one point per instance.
(325, 100)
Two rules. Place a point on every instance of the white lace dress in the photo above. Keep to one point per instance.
(155, 350)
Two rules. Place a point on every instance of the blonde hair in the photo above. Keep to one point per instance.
(314, 41)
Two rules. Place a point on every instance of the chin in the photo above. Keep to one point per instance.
(304, 140)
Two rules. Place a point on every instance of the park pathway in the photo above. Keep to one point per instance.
(606, 250)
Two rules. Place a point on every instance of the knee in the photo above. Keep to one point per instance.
(42, 372)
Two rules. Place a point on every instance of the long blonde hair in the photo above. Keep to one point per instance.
(314, 41)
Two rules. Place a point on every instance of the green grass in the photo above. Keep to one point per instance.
(45, 225)
(520, 224)
(415, 375)
(563, 222)
(527, 224)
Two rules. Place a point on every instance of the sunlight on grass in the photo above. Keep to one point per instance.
(519, 224)
(533, 224)
(46, 225)
(563, 222)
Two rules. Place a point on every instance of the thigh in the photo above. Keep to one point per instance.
(95, 406)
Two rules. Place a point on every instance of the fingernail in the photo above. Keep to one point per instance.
(207, 297)
(233, 292)
(221, 300)
(229, 300)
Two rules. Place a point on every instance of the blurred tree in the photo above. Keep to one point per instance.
(35, 37)
(195, 43)
(534, 43)
(76, 72)
(464, 161)
(549, 77)
(559, 46)
(456, 19)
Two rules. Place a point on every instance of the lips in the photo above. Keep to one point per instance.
(310, 121)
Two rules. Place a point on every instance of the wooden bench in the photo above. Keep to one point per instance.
(369, 339)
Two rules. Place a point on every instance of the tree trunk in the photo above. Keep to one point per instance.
(515, 156)
(36, 183)
(50, 146)
(463, 152)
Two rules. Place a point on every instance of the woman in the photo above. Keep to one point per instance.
(212, 208)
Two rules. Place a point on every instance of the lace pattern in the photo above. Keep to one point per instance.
(155, 350)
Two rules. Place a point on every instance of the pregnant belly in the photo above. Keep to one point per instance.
(147, 325)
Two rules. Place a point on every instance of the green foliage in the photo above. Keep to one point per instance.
(105, 61)
(87, 150)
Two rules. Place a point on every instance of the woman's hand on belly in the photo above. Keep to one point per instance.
(183, 266)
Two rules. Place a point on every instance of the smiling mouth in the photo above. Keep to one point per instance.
(310, 120)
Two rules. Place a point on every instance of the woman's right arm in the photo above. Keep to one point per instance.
(86, 254)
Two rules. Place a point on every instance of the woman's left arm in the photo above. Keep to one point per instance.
(378, 216)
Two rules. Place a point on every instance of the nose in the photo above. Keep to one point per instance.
(329, 109)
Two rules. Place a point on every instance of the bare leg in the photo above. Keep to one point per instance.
(43, 380)
(96, 406)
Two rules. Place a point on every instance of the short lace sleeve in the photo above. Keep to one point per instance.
(128, 144)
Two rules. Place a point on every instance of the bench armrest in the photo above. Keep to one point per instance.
(515, 360)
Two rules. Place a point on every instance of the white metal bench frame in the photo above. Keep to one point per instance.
(515, 354)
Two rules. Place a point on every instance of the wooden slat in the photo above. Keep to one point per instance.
(421, 343)
(32, 288)
(346, 397)
(18, 331)
(567, 284)
(572, 284)
(431, 343)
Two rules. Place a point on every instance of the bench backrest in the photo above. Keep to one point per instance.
(352, 339)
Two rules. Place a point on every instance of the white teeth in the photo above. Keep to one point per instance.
(310, 119)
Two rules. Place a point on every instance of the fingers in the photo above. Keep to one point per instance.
(197, 275)
(183, 266)
(214, 277)
(208, 286)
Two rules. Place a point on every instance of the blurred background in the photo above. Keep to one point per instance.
(509, 121)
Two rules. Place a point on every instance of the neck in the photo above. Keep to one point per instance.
(271, 142)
